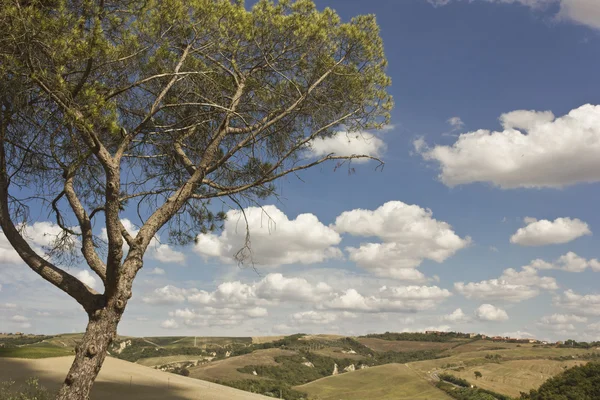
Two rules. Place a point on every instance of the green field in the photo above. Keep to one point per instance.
(156, 361)
(513, 377)
(227, 369)
(35, 352)
(386, 382)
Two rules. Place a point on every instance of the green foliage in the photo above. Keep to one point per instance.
(30, 391)
(469, 393)
(255, 84)
(290, 369)
(577, 383)
(35, 351)
(455, 380)
(20, 340)
(419, 337)
(477, 374)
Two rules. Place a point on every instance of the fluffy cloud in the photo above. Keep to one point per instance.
(528, 276)
(409, 234)
(456, 122)
(274, 239)
(496, 289)
(313, 318)
(393, 299)
(488, 312)
(19, 318)
(456, 316)
(560, 323)
(349, 144)
(166, 295)
(588, 304)
(561, 319)
(169, 324)
(544, 232)
(584, 12)
(87, 278)
(551, 153)
(278, 287)
(569, 262)
(157, 271)
(518, 335)
(41, 235)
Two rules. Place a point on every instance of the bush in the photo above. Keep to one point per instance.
(32, 390)
(577, 383)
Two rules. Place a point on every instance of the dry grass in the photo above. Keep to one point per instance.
(386, 382)
(156, 361)
(482, 345)
(403, 345)
(226, 370)
(122, 380)
(323, 337)
(513, 377)
(266, 339)
(336, 352)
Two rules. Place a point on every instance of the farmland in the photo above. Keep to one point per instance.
(388, 366)
(386, 382)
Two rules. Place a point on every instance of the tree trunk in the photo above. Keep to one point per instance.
(90, 354)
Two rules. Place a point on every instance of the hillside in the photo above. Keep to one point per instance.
(300, 366)
(386, 382)
(122, 380)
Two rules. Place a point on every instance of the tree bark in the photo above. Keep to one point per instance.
(90, 354)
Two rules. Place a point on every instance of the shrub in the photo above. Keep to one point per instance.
(32, 390)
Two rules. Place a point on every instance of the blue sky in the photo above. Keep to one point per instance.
(526, 71)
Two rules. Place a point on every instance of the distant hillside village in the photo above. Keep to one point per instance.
(506, 339)
(420, 336)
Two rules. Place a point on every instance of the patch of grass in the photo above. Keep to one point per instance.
(36, 352)
(403, 345)
(386, 382)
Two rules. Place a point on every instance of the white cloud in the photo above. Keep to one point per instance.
(528, 276)
(349, 144)
(169, 324)
(87, 278)
(275, 239)
(496, 289)
(456, 122)
(272, 289)
(409, 234)
(551, 154)
(278, 287)
(227, 294)
(525, 120)
(157, 271)
(588, 304)
(488, 312)
(518, 335)
(456, 316)
(556, 319)
(41, 235)
(19, 318)
(569, 262)
(164, 253)
(166, 295)
(393, 299)
(544, 232)
(583, 12)
(313, 318)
